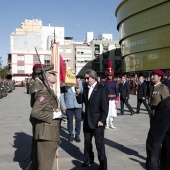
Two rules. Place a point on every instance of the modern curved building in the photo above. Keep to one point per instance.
(144, 27)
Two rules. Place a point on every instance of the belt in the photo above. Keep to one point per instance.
(111, 95)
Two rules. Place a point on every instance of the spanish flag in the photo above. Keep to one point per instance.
(65, 76)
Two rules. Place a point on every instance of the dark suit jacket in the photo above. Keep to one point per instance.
(124, 90)
(142, 90)
(96, 108)
(159, 133)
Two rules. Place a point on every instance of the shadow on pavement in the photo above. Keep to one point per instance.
(125, 150)
(78, 166)
(22, 143)
(69, 147)
(141, 163)
(74, 152)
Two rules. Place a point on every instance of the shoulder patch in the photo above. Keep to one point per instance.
(42, 99)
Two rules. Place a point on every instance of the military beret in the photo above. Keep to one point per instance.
(158, 72)
(37, 68)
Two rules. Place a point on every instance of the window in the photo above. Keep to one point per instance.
(20, 68)
(68, 50)
(61, 50)
(35, 58)
(66, 59)
(20, 58)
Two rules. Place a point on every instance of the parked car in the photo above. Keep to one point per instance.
(18, 84)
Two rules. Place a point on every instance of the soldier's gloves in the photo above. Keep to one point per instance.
(57, 115)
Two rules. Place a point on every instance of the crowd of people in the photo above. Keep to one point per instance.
(96, 102)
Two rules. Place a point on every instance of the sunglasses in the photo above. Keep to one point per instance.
(53, 74)
(86, 78)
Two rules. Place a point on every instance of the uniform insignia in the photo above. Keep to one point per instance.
(42, 99)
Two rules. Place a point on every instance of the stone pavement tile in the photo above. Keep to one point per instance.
(125, 145)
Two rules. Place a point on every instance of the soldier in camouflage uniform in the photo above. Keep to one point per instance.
(4, 89)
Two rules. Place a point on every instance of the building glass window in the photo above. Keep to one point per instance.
(20, 58)
(35, 58)
(20, 67)
(68, 50)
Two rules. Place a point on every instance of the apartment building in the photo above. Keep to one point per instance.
(83, 58)
(23, 40)
(104, 49)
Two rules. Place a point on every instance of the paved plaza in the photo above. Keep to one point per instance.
(125, 145)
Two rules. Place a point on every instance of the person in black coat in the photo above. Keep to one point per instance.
(95, 98)
(159, 135)
(142, 94)
(124, 90)
(166, 82)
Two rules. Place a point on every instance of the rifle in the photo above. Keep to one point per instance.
(45, 78)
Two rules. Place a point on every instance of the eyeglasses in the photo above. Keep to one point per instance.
(86, 78)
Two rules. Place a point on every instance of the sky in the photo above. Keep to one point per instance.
(76, 16)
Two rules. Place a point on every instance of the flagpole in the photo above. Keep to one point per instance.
(56, 87)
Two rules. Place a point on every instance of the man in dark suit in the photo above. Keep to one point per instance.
(124, 90)
(96, 102)
(166, 82)
(141, 95)
(159, 134)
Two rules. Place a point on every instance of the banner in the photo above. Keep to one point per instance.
(66, 75)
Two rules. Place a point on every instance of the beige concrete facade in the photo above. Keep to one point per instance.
(22, 55)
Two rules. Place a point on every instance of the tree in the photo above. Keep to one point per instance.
(4, 72)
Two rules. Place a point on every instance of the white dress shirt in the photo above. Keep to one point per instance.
(91, 89)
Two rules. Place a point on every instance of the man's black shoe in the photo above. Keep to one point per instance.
(137, 112)
(70, 138)
(87, 162)
(101, 168)
(132, 113)
(77, 138)
(121, 114)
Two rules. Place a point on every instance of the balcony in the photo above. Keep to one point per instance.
(9, 62)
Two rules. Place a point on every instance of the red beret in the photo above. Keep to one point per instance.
(158, 72)
(37, 66)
